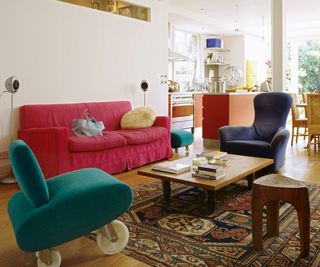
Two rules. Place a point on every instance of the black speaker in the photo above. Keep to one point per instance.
(144, 85)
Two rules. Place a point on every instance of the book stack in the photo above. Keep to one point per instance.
(213, 172)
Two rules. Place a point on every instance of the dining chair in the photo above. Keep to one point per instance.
(313, 110)
(304, 97)
(297, 122)
(304, 100)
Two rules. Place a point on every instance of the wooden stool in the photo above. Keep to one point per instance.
(269, 190)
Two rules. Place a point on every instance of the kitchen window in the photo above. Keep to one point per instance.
(184, 71)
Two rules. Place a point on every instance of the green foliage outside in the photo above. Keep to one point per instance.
(309, 66)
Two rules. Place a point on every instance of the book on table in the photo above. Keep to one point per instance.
(213, 172)
(220, 162)
(209, 172)
(210, 168)
(207, 176)
(171, 167)
(213, 154)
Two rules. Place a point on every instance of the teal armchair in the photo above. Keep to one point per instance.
(47, 213)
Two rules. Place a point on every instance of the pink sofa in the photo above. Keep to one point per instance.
(47, 130)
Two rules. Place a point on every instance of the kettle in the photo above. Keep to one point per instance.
(218, 85)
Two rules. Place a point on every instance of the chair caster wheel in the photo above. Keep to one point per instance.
(109, 247)
(55, 259)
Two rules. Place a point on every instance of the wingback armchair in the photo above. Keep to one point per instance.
(267, 137)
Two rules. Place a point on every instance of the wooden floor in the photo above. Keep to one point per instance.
(84, 252)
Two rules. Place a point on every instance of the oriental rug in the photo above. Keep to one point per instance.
(183, 235)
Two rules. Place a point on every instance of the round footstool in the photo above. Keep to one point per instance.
(180, 138)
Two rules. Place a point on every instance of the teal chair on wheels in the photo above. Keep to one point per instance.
(47, 213)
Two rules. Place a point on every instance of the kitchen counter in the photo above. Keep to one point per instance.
(209, 93)
(220, 109)
(232, 93)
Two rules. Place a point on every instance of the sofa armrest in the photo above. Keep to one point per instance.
(228, 133)
(50, 146)
(278, 147)
(280, 138)
(162, 121)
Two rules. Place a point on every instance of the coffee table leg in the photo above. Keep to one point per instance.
(250, 181)
(211, 201)
(166, 188)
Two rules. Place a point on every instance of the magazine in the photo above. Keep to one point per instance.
(171, 167)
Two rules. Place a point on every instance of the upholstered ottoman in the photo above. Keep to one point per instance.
(180, 138)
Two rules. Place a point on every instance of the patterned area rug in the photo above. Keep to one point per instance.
(182, 235)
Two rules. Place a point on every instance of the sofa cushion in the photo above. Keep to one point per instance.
(96, 143)
(253, 148)
(141, 117)
(61, 115)
(143, 136)
(109, 112)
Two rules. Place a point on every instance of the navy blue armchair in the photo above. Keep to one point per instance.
(267, 137)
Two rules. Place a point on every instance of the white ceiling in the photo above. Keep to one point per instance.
(250, 16)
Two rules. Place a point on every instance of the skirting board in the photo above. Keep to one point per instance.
(5, 169)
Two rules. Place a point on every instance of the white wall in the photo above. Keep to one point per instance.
(64, 53)
(258, 50)
(245, 47)
(236, 56)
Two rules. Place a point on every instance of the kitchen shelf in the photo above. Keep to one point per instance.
(215, 49)
(216, 64)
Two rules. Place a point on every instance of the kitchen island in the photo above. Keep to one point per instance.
(220, 109)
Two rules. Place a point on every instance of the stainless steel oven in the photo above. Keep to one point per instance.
(181, 111)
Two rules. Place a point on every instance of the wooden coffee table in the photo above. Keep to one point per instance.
(237, 168)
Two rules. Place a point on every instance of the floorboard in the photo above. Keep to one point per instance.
(84, 252)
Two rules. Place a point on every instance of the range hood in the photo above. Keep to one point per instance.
(176, 56)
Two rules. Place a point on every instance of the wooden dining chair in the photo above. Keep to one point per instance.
(304, 97)
(297, 122)
(304, 100)
(313, 110)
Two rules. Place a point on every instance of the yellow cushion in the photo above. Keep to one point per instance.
(141, 117)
